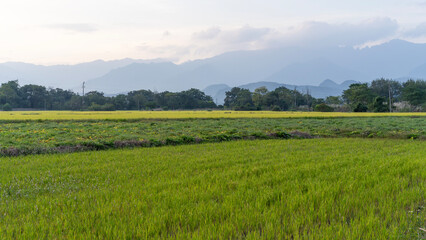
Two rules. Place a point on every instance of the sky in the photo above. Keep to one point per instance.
(52, 32)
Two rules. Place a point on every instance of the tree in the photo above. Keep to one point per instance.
(414, 92)
(239, 99)
(9, 93)
(57, 98)
(259, 97)
(380, 104)
(34, 96)
(194, 98)
(358, 96)
(334, 100)
(120, 102)
(95, 97)
(389, 90)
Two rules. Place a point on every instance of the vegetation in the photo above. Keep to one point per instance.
(38, 97)
(379, 96)
(382, 94)
(125, 115)
(339, 189)
(29, 137)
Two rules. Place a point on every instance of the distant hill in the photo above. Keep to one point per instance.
(289, 66)
(63, 76)
(325, 88)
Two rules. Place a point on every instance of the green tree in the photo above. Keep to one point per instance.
(380, 104)
(9, 93)
(34, 96)
(358, 96)
(259, 97)
(239, 99)
(334, 100)
(414, 92)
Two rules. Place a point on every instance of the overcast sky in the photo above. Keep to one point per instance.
(73, 31)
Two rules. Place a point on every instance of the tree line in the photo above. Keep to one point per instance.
(39, 97)
(384, 95)
(381, 95)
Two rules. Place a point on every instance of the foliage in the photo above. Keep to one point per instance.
(334, 100)
(38, 97)
(239, 99)
(414, 92)
(323, 108)
(7, 107)
(358, 96)
(360, 107)
(348, 189)
(380, 105)
(28, 137)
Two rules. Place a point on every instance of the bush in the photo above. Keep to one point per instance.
(323, 108)
(7, 107)
(360, 108)
(276, 108)
(105, 107)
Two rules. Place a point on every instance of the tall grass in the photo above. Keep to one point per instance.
(48, 136)
(270, 189)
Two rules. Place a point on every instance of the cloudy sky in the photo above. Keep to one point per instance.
(72, 31)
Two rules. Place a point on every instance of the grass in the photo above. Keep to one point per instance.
(47, 136)
(269, 189)
(75, 115)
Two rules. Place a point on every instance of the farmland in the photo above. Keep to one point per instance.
(26, 137)
(85, 115)
(289, 175)
(301, 189)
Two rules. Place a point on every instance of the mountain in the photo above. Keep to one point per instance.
(312, 71)
(290, 66)
(217, 92)
(324, 89)
(135, 76)
(62, 76)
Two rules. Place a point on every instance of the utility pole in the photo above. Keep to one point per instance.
(308, 94)
(295, 98)
(390, 99)
(82, 98)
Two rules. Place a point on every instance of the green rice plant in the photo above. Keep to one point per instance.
(264, 189)
(29, 137)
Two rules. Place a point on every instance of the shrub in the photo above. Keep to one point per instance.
(360, 108)
(7, 107)
(323, 108)
(276, 108)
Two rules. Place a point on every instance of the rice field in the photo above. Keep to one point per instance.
(49, 136)
(263, 189)
(358, 176)
(75, 115)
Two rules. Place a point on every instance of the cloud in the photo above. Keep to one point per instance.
(418, 31)
(208, 34)
(240, 35)
(324, 34)
(245, 34)
(74, 27)
(215, 40)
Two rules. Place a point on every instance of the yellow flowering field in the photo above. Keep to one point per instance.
(76, 115)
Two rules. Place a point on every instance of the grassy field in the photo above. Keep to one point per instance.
(268, 189)
(75, 115)
(48, 136)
